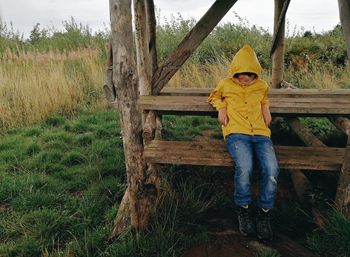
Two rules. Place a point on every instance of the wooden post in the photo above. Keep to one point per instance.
(300, 181)
(343, 191)
(144, 68)
(146, 62)
(279, 27)
(152, 24)
(126, 83)
(342, 198)
(278, 53)
(344, 13)
(190, 43)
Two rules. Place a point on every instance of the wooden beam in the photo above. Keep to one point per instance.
(275, 93)
(201, 153)
(344, 13)
(190, 43)
(281, 106)
(304, 133)
(300, 181)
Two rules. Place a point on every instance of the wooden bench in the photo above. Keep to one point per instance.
(284, 103)
(214, 153)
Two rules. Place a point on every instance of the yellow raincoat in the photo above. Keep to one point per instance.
(243, 102)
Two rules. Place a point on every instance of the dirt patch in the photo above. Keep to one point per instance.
(233, 248)
(3, 208)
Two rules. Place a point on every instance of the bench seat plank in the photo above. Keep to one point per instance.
(310, 106)
(273, 93)
(214, 153)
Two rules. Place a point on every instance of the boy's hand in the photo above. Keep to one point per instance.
(266, 114)
(222, 116)
(268, 120)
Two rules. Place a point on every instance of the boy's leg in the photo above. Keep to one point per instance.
(268, 185)
(241, 150)
(269, 171)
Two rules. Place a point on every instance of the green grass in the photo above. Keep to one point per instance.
(334, 238)
(59, 185)
(268, 253)
(62, 181)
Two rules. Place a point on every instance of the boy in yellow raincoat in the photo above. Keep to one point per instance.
(243, 111)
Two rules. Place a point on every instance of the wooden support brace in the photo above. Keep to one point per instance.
(300, 182)
(190, 43)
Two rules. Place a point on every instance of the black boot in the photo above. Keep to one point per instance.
(246, 225)
(263, 227)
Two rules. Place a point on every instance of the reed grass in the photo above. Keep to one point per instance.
(36, 85)
(62, 72)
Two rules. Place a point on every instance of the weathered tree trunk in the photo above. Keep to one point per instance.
(344, 13)
(190, 43)
(126, 84)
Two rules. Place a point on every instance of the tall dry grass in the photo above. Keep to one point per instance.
(34, 86)
(313, 75)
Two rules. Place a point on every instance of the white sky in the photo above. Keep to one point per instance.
(314, 15)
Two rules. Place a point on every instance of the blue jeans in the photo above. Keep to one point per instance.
(242, 149)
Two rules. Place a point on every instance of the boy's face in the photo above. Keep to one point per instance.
(245, 78)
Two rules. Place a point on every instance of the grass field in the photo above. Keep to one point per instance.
(62, 180)
(62, 170)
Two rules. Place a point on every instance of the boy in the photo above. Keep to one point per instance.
(243, 112)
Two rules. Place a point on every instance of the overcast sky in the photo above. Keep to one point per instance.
(314, 15)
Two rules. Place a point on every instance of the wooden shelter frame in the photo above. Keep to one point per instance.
(128, 83)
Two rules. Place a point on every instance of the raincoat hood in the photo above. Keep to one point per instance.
(245, 60)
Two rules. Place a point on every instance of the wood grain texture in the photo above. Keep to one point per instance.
(281, 106)
(214, 153)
